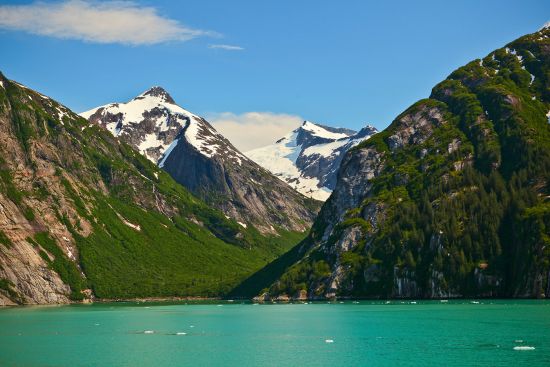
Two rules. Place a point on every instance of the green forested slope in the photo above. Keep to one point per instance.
(452, 199)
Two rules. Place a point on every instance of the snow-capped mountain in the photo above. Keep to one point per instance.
(308, 158)
(152, 122)
(204, 161)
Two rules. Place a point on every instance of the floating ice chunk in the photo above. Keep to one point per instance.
(523, 347)
(181, 333)
(149, 332)
(413, 302)
(191, 326)
(475, 302)
(329, 341)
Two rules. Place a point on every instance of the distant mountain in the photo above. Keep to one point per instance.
(84, 215)
(309, 157)
(451, 200)
(198, 157)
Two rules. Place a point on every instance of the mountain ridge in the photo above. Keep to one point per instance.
(308, 158)
(204, 161)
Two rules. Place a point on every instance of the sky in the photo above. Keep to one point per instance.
(256, 69)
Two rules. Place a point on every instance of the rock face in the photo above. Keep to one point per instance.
(202, 160)
(451, 200)
(25, 276)
(309, 157)
(27, 167)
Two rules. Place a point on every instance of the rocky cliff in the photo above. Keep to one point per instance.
(451, 200)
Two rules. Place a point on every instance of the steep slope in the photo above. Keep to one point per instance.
(452, 199)
(198, 157)
(83, 214)
(309, 157)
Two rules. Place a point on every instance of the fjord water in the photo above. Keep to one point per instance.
(454, 333)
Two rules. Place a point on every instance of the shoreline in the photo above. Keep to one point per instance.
(274, 301)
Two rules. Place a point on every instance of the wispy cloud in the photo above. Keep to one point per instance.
(103, 22)
(252, 130)
(226, 47)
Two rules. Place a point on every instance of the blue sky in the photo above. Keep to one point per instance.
(344, 63)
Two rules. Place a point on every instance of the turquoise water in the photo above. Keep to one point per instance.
(458, 333)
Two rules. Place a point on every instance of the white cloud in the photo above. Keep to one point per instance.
(252, 130)
(103, 22)
(226, 47)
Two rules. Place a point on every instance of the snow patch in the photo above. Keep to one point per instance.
(319, 131)
(137, 227)
(280, 159)
(167, 152)
(195, 135)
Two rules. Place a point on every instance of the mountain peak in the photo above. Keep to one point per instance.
(368, 130)
(326, 132)
(159, 92)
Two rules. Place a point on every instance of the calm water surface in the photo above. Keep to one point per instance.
(456, 333)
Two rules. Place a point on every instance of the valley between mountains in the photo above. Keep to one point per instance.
(144, 199)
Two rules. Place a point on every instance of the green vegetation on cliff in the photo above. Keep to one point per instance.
(461, 206)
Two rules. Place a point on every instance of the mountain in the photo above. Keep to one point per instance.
(309, 157)
(451, 200)
(198, 157)
(83, 215)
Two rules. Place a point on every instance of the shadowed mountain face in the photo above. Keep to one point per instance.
(452, 199)
(309, 157)
(198, 157)
(84, 215)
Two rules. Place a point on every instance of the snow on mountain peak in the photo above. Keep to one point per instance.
(322, 131)
(158, 92)
(308, 157)
(152, 122)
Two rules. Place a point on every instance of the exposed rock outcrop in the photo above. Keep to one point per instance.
(451, 200)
